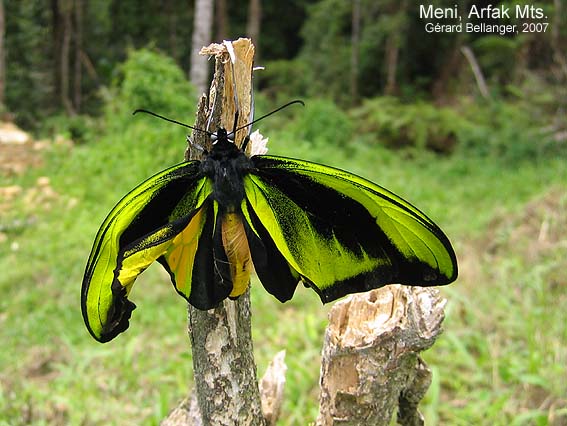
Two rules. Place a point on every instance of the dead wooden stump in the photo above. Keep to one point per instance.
(370, 363)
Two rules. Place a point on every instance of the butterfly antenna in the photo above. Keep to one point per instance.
(145, 111)
(297, 101)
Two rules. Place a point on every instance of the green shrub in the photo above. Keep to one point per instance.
(497, 56)
(283, 80)
(78, 128)
(322, 122)
(399, 125)
(151, 81)
(503, 130)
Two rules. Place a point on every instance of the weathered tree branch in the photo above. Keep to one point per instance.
(475, 67)
(370, 364)
(223, 361)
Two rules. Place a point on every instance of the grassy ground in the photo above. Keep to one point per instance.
(501, 361)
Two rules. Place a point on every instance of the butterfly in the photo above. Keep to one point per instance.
(210, 222)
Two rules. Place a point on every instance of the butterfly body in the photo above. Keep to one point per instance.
(225, 166)
(207, 222)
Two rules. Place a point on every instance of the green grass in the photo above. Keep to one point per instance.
(501, 361)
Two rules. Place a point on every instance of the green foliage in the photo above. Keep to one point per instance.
(29, 82)
(508, 132)
(399, 125)
(285, 79)
(319, 54)
(78, 128)
(546, 106)
(321, 122)
(150, 80)
(497, 57)
(327, 49)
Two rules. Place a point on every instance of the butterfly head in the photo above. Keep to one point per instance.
(221, 136)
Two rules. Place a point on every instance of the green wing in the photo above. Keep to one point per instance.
(170, 218)
(337, 232)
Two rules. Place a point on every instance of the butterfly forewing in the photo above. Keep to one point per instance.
(342, 233)
(138, 230)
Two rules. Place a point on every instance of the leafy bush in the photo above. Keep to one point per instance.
(507, 131)
(497, 56)
(326, 50)
(503, 130)
(282, 80)
(322, 122)
(78, 128)
(400, 125)
(151, 81)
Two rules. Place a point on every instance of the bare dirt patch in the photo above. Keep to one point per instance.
(18, 150)
(19, 153)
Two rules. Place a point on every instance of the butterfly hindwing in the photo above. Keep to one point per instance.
(341, 233)
(272, 268)
(196, 260)
(141, 228)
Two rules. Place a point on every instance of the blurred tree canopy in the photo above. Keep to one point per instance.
(60, 55)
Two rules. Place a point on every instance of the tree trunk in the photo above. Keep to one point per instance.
(222, 23)
(392, 53)
(355, 51)
(254, 23)
(77, 75)
(169, 7)
(65, 11)
(399, 12)
(559, 51)
(2, 55)
(57, 37)
(449, 70)
(202, 28)
(475, 67)
(451, 66)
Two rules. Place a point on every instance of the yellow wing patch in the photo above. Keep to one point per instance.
(237, 251)
(181, 253)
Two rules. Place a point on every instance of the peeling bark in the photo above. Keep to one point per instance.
(223, 364)
(370, 363)
(223, 359)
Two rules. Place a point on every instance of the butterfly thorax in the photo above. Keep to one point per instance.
(226, 166)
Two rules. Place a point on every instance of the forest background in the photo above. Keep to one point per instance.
(471, 127)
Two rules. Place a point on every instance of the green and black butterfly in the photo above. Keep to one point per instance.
(207, 222)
